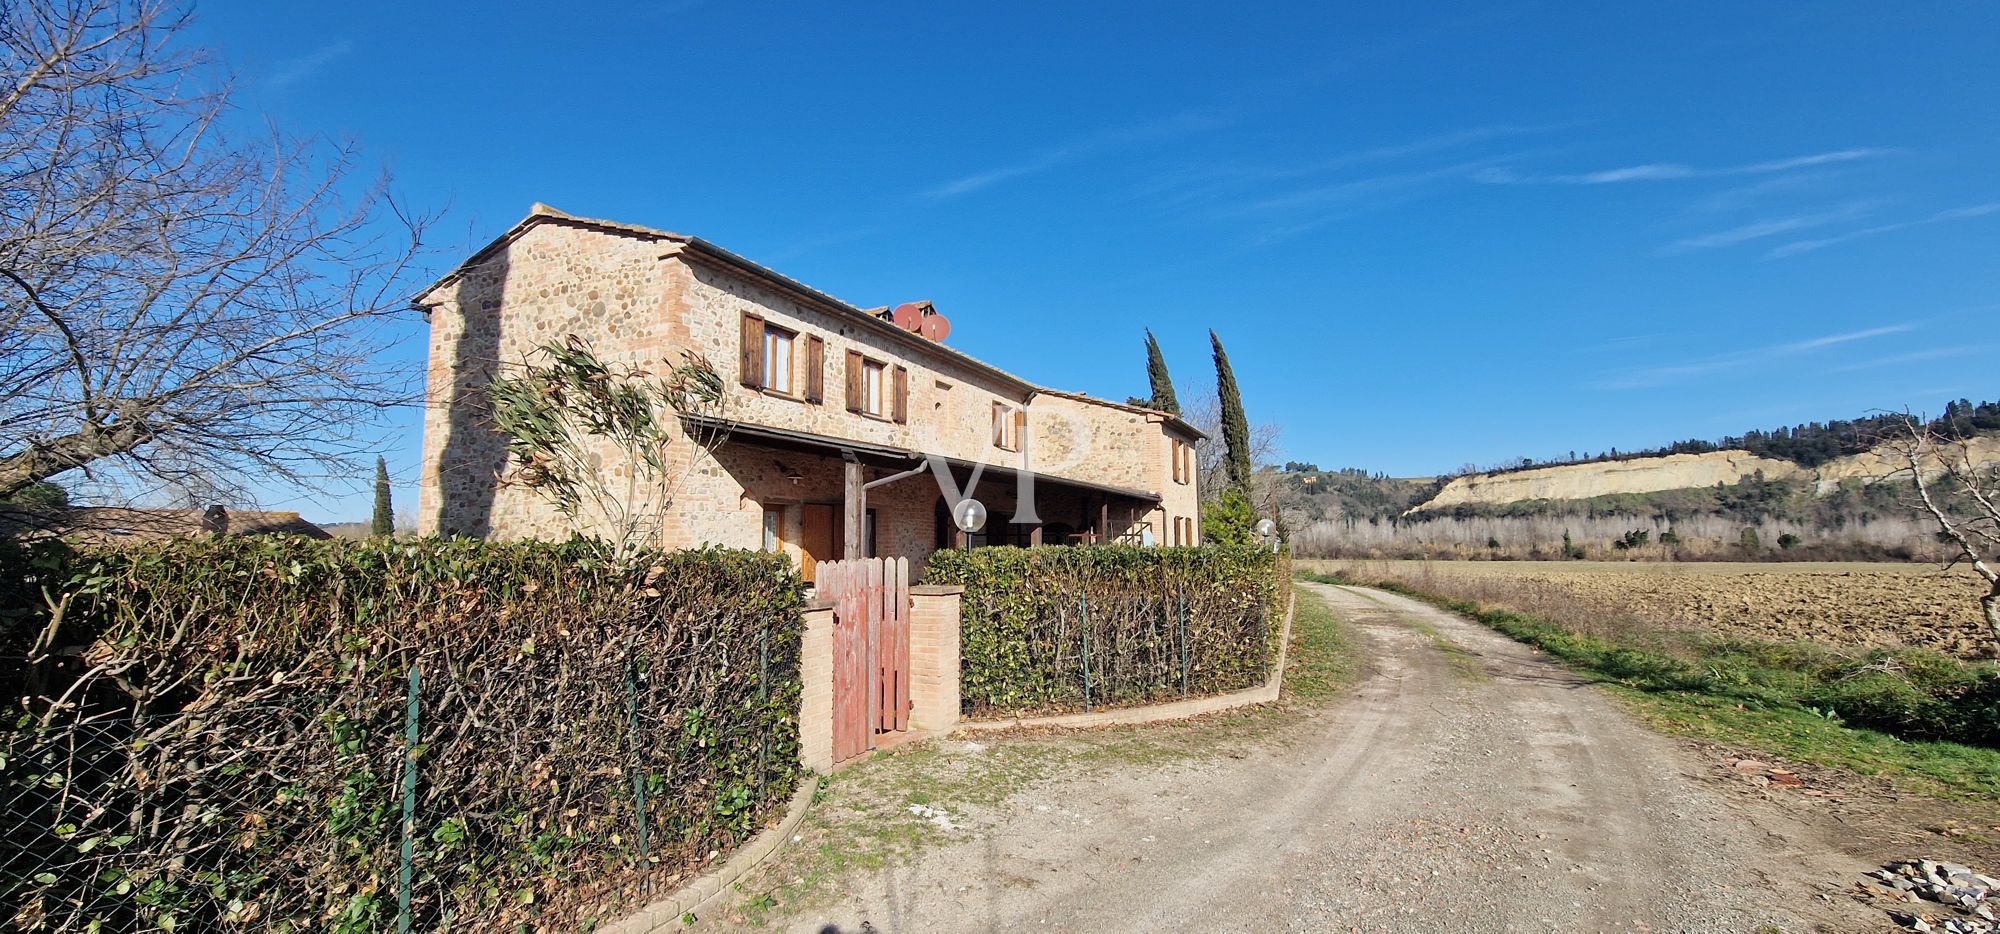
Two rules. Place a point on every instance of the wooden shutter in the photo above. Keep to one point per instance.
(815, 369)
(751, 362)
(1177, 479)
(899, 404)
(999, 425)
(1020, 429)
(853, 381)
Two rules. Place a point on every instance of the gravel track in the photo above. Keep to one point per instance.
(1467, 785)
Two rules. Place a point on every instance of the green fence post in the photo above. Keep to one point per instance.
(638, 764)
(763, 705)
(1085, 598)
(1184, 644)
(410, 730)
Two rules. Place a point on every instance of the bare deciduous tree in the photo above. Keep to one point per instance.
(174, 302)
(1211, 471)
(1961, 493)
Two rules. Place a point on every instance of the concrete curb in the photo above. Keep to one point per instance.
(1172, 710)
(710, 889)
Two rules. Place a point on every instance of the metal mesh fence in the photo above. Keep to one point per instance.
(295, 753)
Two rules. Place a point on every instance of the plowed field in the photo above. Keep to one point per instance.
(1844, 605)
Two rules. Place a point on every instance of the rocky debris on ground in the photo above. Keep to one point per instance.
(1766, 775)
(1949, 898)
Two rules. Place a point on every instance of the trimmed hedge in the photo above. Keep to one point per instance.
(213, 738)
(1025, 646)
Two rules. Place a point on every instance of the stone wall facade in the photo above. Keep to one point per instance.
(646, 298)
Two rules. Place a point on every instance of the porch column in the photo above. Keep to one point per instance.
(855, 498)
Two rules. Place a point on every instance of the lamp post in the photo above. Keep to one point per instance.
(1268, 531)
(970, 516)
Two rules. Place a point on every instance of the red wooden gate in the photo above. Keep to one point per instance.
(871, 649)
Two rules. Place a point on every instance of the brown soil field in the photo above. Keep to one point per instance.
(1839, 605)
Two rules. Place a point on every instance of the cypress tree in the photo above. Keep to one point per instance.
(1235, 426)
(1156, 371)
(385, 512)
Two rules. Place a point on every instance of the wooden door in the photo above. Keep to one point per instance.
(820, 539)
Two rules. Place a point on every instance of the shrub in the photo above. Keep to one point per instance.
(230, 754)
(1048, 629)
(1229, 519)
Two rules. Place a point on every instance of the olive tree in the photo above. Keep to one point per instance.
(565, 409)
(176, 303)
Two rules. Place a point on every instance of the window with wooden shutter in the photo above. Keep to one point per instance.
(815, 369)
(853, 381)
(899, 401)
(750, 362)
(1009, 423)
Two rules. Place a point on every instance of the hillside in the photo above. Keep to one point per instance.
(1727, 503)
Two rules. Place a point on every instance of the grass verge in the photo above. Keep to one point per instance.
(863, 818)
(1797, 701)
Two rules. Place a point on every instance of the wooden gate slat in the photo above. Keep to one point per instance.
(871, 649)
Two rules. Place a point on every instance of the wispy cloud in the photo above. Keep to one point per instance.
(1771, 227)
(1919, 356)
(1351, 190)
(1174, 126)
(293, 70)
(1653, 377)
(1671, 171)
(1228, 185)
(1738, 197)
(1942, 217)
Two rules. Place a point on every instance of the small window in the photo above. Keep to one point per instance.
(871, 387)
(778, 359)
(1007, 420)
(774, 529)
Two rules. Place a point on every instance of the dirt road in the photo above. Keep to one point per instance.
(1467, 785)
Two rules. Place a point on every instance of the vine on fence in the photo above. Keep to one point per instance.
(1047, 629)
(211, 734)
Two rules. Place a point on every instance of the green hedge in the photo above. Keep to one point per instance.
(212, 736)
(1064, 628)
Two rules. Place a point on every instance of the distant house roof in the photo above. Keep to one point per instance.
(110, 525)
(542, 213)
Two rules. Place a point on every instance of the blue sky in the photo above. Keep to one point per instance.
(1429, 235)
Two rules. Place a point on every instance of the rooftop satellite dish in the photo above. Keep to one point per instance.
(909, 316)
(969, 515)
(936, 327)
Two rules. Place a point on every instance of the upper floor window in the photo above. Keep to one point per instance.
(778, 359)
(871, 387)
(1010, 422)
(770, 360)
(1183, 455)
(877, 389)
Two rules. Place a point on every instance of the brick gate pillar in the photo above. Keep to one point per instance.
(934, 618)
(816, 688)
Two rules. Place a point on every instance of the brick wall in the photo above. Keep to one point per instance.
(934, 668)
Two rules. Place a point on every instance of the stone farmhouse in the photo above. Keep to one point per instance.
(834, 412)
